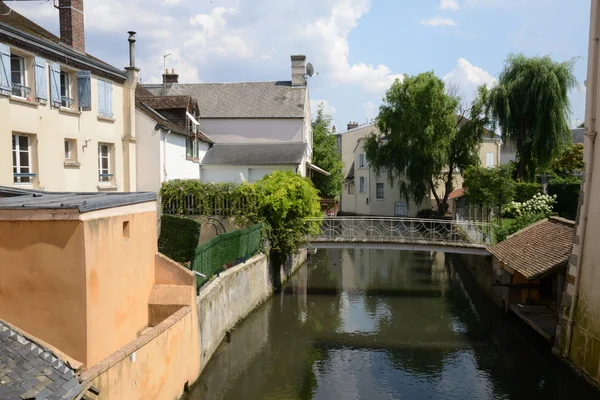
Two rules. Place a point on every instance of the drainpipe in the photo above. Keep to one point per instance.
(165, 156)
(590, 133)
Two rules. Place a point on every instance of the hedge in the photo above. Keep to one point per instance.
(225, 249)
(178, 237)
(567, 196)
(526, 190)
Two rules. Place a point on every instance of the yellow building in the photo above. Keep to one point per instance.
(67, 119)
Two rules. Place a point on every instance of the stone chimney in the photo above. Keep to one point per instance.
(298, 71)
(352, 125)
(170, 78)
(70, 14)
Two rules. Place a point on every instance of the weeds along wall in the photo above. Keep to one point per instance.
(178, 237)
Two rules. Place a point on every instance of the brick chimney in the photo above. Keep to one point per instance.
(71, 23)
(352, 125)
(170, 78)
(298, 71)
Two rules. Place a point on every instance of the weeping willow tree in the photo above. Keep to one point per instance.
(531, 106)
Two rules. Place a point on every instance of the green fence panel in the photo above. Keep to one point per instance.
(228, 248)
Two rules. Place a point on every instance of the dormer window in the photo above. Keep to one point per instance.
(17, 76)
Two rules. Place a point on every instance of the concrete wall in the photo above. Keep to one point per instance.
(119, 278)
(148, 156)
(157, 365)
(582, 347)
(229, 298)
(255, 130)
(48, 127)
(231, 173)
(42, 282)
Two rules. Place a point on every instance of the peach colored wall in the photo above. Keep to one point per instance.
(119, 278)
(42, 281)
(156, 366)
(169, 272)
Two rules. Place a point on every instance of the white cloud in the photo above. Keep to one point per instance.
(468, 78)
(449, 5)
(370, 109)
(328, 108)
(235, 40)
(439, 21)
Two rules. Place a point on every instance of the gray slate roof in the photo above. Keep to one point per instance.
(244, 99)
(255, 154)
(578, 134)
(30, 371)
(83, 202)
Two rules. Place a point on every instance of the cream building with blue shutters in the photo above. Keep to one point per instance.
(67, 119)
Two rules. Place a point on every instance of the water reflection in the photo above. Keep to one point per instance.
(369, 324)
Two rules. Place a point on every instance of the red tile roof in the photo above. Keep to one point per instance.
(538, 249)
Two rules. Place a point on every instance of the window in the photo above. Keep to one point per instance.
(362, 160)
(195, 149)
(70, 151)
(379, 191)
(17, 76)
(189, 148)
(65, 90)
(21, 152)
(489, 157)
(400, 209)
(361, 184)
(105, 174)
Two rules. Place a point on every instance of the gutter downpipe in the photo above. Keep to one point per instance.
(168, 132)
(590, 132)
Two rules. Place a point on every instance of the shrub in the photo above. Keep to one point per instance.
(427, 213)
(541, 204)
(502, 232)
(526, 190)
(178, 237)
(567, 196)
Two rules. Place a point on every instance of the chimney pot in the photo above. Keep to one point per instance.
(72, 32)
(298, 70)
(131, 49)
(352, 125)
(170, 78)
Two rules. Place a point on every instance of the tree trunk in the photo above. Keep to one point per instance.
(435, 195)
(522, 161)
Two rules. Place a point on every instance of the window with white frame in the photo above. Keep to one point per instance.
(65, 90)
(489, 160)
(21, 152)
(105, 173)
(400, 209)
(70, 150)
(362, 184)
(362, 161)
(17, 76)
(189, 147)
(379, 191)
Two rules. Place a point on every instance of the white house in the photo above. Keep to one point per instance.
(170, 143)
(257, 127)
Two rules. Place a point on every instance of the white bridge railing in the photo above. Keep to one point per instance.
(404, 230)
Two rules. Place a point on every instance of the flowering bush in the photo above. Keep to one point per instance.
(540, 204)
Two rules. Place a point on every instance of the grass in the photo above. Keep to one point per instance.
(506, 222)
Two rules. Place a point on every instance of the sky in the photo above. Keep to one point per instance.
(358, 47)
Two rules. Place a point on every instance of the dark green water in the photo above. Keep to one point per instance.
(373, 324)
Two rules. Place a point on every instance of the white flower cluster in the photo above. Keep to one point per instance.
(540, 204)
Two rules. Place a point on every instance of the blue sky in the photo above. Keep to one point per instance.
(358, 46)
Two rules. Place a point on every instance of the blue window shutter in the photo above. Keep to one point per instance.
(55, 84)
(5, 81)
(41, 81)
(84, 89)
(108, 91)
(101, 98)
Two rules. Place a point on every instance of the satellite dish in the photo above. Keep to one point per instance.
(310, 70)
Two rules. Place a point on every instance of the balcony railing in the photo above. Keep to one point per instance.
(66, 102)
(20, 90)
(23, 177)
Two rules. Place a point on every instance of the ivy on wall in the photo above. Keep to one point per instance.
(178, 237)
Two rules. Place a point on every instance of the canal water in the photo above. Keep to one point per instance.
(374, 324)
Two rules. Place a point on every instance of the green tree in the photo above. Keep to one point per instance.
(569, 161)
(422, 140)
(531, 105)
(490, 187)
(326, 156)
